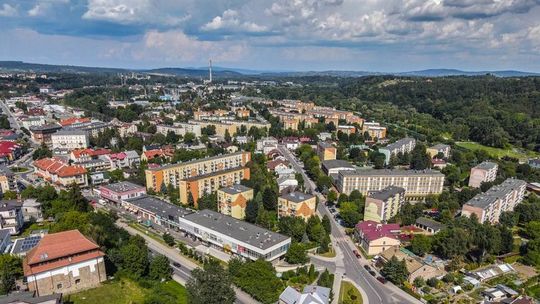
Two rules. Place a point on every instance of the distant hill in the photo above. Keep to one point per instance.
(234, 72)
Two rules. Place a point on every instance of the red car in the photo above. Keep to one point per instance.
(356, 253)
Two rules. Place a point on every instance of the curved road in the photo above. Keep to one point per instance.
(352, 267)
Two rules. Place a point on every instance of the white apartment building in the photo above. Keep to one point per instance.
(404, 145)
(179, 129)
(70, 140)
(482, 173)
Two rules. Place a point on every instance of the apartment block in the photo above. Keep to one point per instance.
(179, 129)
(326, 151)
(297, 204)
(232, 126)
(70, 139)
(233, 200)
(404, 145)
(200, 185)
(439, 148)
(417, 183)
(482, 173)
(160, 177)
(374, 129)
(489, 205)
(382, 205)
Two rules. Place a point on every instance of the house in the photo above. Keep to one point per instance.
(312, 294)
(233, 200)
(483, 173)
(278, 164)
(286, 182)
(439, 148)
(9, 151)
(86, 155)
(382, 205)
(127, 159)
(326, 151)
(267, 144)
(297, 204)
(438, 163)
(499, 293)
(5, 239)
(30, 297)
(428, 225)
(57, 172)
(98, 178)
(64, 262)
(11, 216)
(31, 210)
(163, 153)
(415, 266)
(375, 237)
(117, 192)
(7, 180)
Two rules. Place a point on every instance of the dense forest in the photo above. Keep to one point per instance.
(494, 111)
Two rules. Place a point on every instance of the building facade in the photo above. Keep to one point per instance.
(233, 200)
(11, 216)
(417, 184)
(326, 151)
(404, 145)
(59, 173)
(120, 191)
(489, 205)
(483, 173)
(375, 237)
(382, 205)
(70, 140)
(297, 204)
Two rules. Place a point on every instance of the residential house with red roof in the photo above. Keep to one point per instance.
(58, 172)
(64, 262)
(375, 237)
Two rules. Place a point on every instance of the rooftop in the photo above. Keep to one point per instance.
(439, 147)
(386, 193)
(297, 197)
(198, 160)
(336, 163)
(398, 144)
(64, 132)
(372, 230)
(199, 177)
(427, 222)
(24, 244)
(235, 189)
(486, 165)
(29, 297)
(123, 186)
(389, 172)
(237, 229)
(159, 207)
(483, 200)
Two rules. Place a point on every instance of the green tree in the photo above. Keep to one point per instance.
(326, 224)
(420, 160)
(395, 271)
(9, 195)
(135, 257)
(295, 227)
(160, 268)
(42, 152)
(169, 239)
(421, 244)
(269, 199)
(10, 271)
(296, 254)
(350, 214)
(252, 210)
(210, 285)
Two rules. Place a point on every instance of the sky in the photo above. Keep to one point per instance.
(301, 35)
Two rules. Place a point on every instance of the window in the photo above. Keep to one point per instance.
(59, 286)
(77, 281)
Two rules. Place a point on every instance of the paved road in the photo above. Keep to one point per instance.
(183, 273)
(351, 267)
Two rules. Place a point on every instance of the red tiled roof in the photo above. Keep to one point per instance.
(120, 155)
(7, 147)
(73, 120)
(58, 250)
(274, 163)
(59, 168)
(77, 153)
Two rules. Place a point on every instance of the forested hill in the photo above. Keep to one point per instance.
(491, 110)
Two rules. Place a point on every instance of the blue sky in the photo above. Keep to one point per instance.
(372, 35)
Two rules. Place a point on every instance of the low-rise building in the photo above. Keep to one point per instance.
(127, 159)
(375, 237)
(22, 245)
(11, 216)
(326, 151)
(312, 294)
(483, 173)
(404, 145)
(428, 225)
(9, 151)
(32, 210)
(42, 134)
(64, 262)
(120, 191)
(332, 167)
(70, 140)
(233, 200)
(30, 297)
(439, 148)
(59, 173)
(297, 204)
(489, 205)
(5, 239)
(382, 205)
(7, 180)
(415, 266)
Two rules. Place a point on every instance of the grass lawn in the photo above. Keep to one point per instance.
(330, 254)
(19, 169)
(349, 292)
(497, 152)
(124, 291)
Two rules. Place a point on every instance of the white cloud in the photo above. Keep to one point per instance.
(42, 7)
(230, 21)
(8, 11)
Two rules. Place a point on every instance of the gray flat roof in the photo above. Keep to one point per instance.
(4, 233)
(234, 189)
(424, 221)
(439, 146)
(4, 170)
(237, 229)
(197, 161)
(123, 186)
(336, 163)
(297, 197)
(389, 172)
(325, 144)
(197, 177)
(486, 165)
(386, 193)
(6, 205)
(399, 143)
(483, 200)
(70, 132)
(159, 207)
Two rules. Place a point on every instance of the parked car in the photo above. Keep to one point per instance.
(176, 264)
(356, 253)
(367, 267)
(373, 273)
(382, 280)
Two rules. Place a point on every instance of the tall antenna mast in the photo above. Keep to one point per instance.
(210, 69)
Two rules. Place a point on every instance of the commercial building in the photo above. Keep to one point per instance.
(233, 200)
(404, 145)
(297, 204)
(120, 191)
(58, 172)
(42, 134)
(417, 183)
(439, 148)
(375, 237)
(197, 186)
(64, 262)
(483, 173)
(11, 216)
(9, 151)
(489, 205)
(326, 151)
(162, 176)
(70, 139)
(216, 229)
(382, 205)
